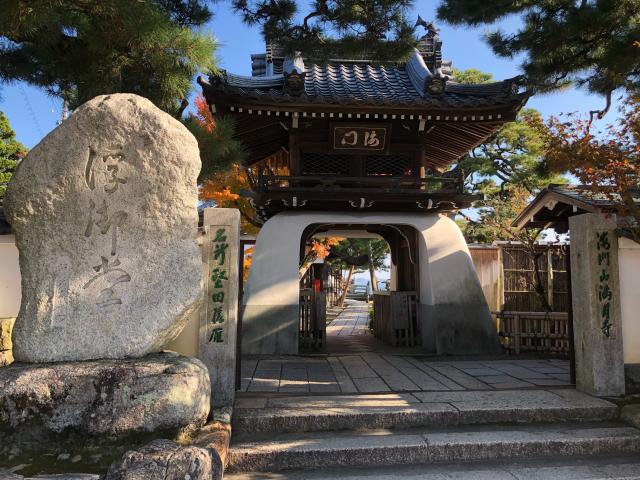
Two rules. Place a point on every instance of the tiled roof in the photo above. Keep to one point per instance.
(586, 195)
(365, 83)
(542, 209)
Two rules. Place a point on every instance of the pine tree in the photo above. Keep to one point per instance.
(78, 49)
(378, 29)
(11, 152)
(512, 157)
(593, 44)
(376, 251)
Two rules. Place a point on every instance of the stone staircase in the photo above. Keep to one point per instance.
(278, 433)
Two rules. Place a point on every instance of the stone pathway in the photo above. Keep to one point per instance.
(349, 331)
(374, 373)
(368, 367)
(353, 320)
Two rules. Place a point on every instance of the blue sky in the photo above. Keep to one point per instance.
(33, 114)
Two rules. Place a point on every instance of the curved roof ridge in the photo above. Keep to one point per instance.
(417, 71)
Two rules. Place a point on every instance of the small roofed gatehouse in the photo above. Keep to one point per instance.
(612, 326)
(357, 145)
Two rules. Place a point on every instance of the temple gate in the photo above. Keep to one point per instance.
(368, 146)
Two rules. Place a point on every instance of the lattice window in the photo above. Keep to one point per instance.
(388, 165)
(325, 164)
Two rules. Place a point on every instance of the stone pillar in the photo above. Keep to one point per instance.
(597, 323)
(219, 313)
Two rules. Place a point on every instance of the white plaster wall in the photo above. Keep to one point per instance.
(629, 260)
(448, 282)
(10, 289)
(273, 279)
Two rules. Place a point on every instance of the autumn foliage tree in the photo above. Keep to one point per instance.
(606, 161)
(222, 178)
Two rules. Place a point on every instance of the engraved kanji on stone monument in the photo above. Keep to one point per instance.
(105, 214)
(605, 294)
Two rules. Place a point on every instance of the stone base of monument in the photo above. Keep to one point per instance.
(82, 416)
(203, 459)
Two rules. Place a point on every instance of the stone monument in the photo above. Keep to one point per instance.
(104, 213)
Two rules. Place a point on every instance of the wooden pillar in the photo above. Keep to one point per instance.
(294, 153)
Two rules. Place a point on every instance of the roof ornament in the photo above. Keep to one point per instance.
(435, 84)
(430, 48)
(218, 77)
(512, 85)
(430, 27)
(294, 74)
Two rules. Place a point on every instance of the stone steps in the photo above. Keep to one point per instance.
(626, 467)
(373, 448)
(279, 414)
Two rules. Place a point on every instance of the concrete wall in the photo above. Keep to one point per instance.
(10, 291)
(629, 271)
(454, 312)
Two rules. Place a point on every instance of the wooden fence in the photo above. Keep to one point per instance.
(534, 332)
(507, 275)
(312, 325)
(519, 279)
(396, 318)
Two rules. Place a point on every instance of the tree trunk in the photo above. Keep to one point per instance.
(346, 287)
(372, 272)
(538, 285)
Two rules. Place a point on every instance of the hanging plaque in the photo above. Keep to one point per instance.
(360, 138)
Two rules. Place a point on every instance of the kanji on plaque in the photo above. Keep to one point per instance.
(218, 287)
(359, 138)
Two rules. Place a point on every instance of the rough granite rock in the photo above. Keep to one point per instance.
(104, 213)
(161, 392)
(163, 459)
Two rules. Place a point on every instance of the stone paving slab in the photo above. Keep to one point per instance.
(583, 468)
(372, 372)
(370, 367)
